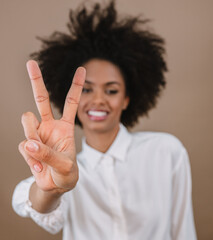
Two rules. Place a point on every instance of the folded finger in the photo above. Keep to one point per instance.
(30, 125)
(40, 93)
(35, 165)
(73, 96)
(41, 152)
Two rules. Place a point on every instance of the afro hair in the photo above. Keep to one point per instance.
(100, 34)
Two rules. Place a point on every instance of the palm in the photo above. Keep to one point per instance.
(55, 132)
(56, 135)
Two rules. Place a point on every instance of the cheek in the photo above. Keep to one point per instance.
(118, 103)
(80, 107)
(82, 103)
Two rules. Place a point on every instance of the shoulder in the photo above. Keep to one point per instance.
(157, 140)
(159, 148)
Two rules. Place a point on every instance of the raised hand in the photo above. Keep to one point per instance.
(49, 148)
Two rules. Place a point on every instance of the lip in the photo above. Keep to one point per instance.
(97, 117)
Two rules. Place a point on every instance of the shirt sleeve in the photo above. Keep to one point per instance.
(182, 213)
(52, 222)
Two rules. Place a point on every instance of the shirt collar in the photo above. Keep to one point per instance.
(118, 149)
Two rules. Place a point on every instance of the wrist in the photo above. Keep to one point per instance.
(44, 201)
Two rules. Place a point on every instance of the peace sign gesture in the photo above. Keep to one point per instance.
(49, 148)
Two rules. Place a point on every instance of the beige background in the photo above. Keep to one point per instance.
(185, 108)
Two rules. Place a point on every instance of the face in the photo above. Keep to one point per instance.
(103, 97)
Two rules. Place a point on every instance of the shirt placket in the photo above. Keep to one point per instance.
(119, 225)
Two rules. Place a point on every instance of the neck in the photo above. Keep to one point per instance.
(101, 141)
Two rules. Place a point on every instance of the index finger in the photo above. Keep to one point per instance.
(73, 95)
(40, 93)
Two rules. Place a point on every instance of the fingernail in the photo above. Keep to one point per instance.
(31, 146)
(37, 168)
(81, 70)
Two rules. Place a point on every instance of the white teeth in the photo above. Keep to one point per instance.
(97, 113)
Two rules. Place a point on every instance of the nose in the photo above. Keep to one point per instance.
(98, 97)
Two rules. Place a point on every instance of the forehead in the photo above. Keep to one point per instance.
(102, 71)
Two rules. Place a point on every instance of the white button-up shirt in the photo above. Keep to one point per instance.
(140, 189)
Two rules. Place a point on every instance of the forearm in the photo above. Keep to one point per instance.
(44, 201)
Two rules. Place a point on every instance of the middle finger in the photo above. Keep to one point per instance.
(73, 96)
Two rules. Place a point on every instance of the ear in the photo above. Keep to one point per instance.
(126, 103)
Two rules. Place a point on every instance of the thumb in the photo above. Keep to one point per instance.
(41, 152)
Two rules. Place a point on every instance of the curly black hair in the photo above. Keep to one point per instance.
(99, 34)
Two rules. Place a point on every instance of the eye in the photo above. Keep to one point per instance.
(86, 90)
(111, 91)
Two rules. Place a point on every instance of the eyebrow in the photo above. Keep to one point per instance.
(108, 83)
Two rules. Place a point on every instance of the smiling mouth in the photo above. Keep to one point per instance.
(97, 115)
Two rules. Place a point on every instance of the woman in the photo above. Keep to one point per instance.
(122, 185)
